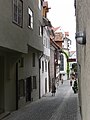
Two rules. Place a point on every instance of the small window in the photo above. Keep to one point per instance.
(40, 4)
(62, 62)
(18, 12)
(40, 31)
(34, 82)
(42, 66)
(33, 61)
(30, 18)
(45, 66)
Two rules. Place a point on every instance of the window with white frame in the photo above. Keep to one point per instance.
(30, 18)
(39, 4)
(18, 12)
(40, 31)
(45, 66)
(42, 66)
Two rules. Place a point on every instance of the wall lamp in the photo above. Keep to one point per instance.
(80, 38)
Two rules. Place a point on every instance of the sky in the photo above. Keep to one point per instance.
(62, 13)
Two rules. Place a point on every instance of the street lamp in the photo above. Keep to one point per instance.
(80, 38)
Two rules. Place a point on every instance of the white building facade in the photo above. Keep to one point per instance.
(45, 59)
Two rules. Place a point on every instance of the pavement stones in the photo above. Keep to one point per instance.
(63, 106)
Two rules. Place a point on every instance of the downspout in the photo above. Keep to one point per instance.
(39, 73)
(16, 86)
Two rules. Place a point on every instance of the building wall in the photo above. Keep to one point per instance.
(52, 74)
(83, 55)
(16, 42)
(46, 42)
(29, 71)
(44, 74)
(10, 84)
(11, 35)
(64, 71)
(35, 40)
(33, 71)
(66, 43)
(14, 37)
(8, 80)
(44, 78)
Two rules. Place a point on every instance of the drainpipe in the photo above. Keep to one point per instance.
(16, 86)
(39, 73)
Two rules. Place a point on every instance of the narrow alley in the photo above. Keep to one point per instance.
(62, 106)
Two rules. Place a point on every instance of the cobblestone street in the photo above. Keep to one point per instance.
(62, 106)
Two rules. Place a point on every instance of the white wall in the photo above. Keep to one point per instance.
(64, 77)
(45, 57)
(44, 75)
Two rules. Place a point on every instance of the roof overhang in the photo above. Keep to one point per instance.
(46, 22)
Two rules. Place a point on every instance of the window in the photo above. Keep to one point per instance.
(46, 66)
(62, 62)
(42, 66)
(30, 18)
(39, 4)
(40, 31)
(18, 12)
(33, 61)
(34, 82)
(68, 44)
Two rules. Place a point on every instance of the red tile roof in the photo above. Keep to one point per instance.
(55, 29)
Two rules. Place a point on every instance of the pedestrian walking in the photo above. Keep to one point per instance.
(70, 82)
(75, 86)
(53, 89)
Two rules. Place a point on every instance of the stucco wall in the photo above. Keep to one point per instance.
(52, 63)
(83, 55)
(43, 77)
(14, 37)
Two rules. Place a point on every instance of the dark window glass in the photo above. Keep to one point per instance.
(62, 62)
(46, 66)
(18, 12)
(15, 10)
(42, 66)
(34, 82)
(20, 6)
(29, 20)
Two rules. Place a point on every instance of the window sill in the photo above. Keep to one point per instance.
(30, 28)
(21, 26)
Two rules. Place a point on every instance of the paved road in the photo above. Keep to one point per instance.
(62, 106)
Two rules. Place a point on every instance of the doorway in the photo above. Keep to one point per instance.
(28, 89)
